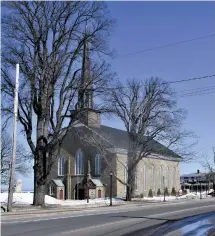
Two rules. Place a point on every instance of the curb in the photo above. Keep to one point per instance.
(61, 210)
(66, 209)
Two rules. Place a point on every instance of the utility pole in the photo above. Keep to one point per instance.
(13, 161)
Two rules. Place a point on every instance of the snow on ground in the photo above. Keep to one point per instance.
(27, 199)
(192, 195)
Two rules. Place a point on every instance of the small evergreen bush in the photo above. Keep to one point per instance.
(166, 192)
(150, 193)
(173, 193)
(158, 192)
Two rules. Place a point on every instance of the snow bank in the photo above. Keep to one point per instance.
(27, 199)
(191, 195)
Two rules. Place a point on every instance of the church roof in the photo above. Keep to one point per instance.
(58, 182)
(97, 182)
(119, 138)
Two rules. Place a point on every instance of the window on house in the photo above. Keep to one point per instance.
(79, 163)
(61, 166)
(97, 164)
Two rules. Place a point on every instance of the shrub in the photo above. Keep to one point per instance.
(158, 192)
(173, 193)
(141, 195)
(166, 191)
(150, 193)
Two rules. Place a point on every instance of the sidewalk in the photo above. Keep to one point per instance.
(53, 209)
(32, 210)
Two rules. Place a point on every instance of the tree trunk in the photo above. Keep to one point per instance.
(130, 186)
(40, 171)
(39, 195)
(39, 181)
(128, 193)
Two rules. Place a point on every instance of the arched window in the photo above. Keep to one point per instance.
(168, 178)
(145, 178)
(153, 177)
(125, 175)
(136, 180)
(97, 164)
(174, 177)
(61, 166)
(52, 189)
(79, 163)
(161, 177)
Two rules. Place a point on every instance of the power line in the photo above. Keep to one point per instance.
(167, 82)
(197, 91)
(174, 82)
(186, 80)
(168, 45)
(197, 94)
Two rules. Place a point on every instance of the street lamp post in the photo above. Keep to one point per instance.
(111, 175)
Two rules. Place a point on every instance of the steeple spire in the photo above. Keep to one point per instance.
(85, 92)
(90, 116)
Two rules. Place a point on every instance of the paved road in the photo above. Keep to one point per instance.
(106, 222)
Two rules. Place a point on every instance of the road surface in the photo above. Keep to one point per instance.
(113, 221)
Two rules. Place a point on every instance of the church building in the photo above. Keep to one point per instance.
(80, 165)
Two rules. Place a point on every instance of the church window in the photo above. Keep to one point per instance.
(51, 189)
(61, 166)
(153, 177)
(168, 178)
(161, 177)
(79, 163)
(145, 178)
(136, 181)
(97, 164)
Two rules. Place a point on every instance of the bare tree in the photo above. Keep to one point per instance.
(47, 39)
(149, 112)
(207, 164)
(23, 158)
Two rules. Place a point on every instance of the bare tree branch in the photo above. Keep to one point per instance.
(46, 39)
(23, 158)
(152, 120)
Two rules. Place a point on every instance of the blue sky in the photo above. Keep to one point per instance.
(143, 25)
